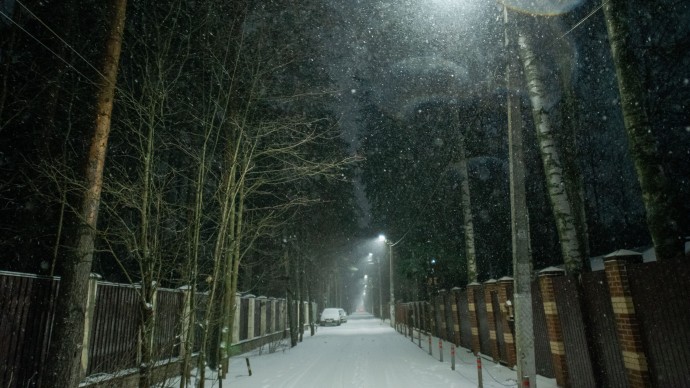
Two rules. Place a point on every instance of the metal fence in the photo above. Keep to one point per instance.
(27, 310)
(592, 352)
(115, 329)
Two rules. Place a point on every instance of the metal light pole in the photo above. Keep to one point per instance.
(378, 264)
(391, 302)
(522, 257)
(392, 298)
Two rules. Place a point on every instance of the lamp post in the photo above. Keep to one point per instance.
(391, 302)
(378, 267)
(522, 257)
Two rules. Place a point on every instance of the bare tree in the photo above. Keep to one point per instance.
(266, 152)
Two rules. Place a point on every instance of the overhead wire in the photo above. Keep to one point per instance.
(46, 47)
(60, 38)
(124, 93)
(590, 14)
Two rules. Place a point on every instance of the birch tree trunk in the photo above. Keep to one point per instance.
(63, 364)
(661, 219)
(466, 203)
(572, 244)
(459, 164)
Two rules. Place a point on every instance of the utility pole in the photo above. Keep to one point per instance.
(378, 264)
(522, 256)
(392, 296)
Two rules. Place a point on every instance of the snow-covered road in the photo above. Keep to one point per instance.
(364, 352)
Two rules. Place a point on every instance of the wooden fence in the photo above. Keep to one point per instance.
(627, 326)
(112, 326)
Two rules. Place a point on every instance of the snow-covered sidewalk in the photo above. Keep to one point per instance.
(364, 352)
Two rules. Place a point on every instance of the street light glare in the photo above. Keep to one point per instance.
(382, 237)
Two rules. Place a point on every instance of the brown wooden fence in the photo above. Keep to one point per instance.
(601, 347)
(112, 326)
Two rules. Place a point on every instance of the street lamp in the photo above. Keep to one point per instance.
(378, 267)
(391, 307)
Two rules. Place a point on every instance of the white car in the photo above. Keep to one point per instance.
(330, 316)
(343, 315)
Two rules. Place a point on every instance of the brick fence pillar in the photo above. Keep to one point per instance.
(505, 296)
(441, 315)
(553, 324)
(489, 288)
(433, 313)
(472, 289)
(454, 294)
(627, 325)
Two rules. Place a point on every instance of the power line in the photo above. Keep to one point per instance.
(583, 20)
(46, 47)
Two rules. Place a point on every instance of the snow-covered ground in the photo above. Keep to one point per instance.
(364, 352)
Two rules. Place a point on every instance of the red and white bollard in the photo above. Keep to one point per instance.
(452, 356)
(525, 382)
(440, 349)
(480, 383)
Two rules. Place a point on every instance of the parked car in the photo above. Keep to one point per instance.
(330, 316)
(343, 316)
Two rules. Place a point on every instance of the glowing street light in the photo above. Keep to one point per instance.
(391, 307)
(378, 267)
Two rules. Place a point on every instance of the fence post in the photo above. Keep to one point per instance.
(236, 319)
(441, 315)
(262, 305)
(472, 289)
(250, 316)
(282, 306)
(411, 320)
(553, 324)
(627, 324)
(305, 319)
(88, 321)
(419, 336)
(271, 323)
(455, 314)
(489, 288)
(505, 292)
